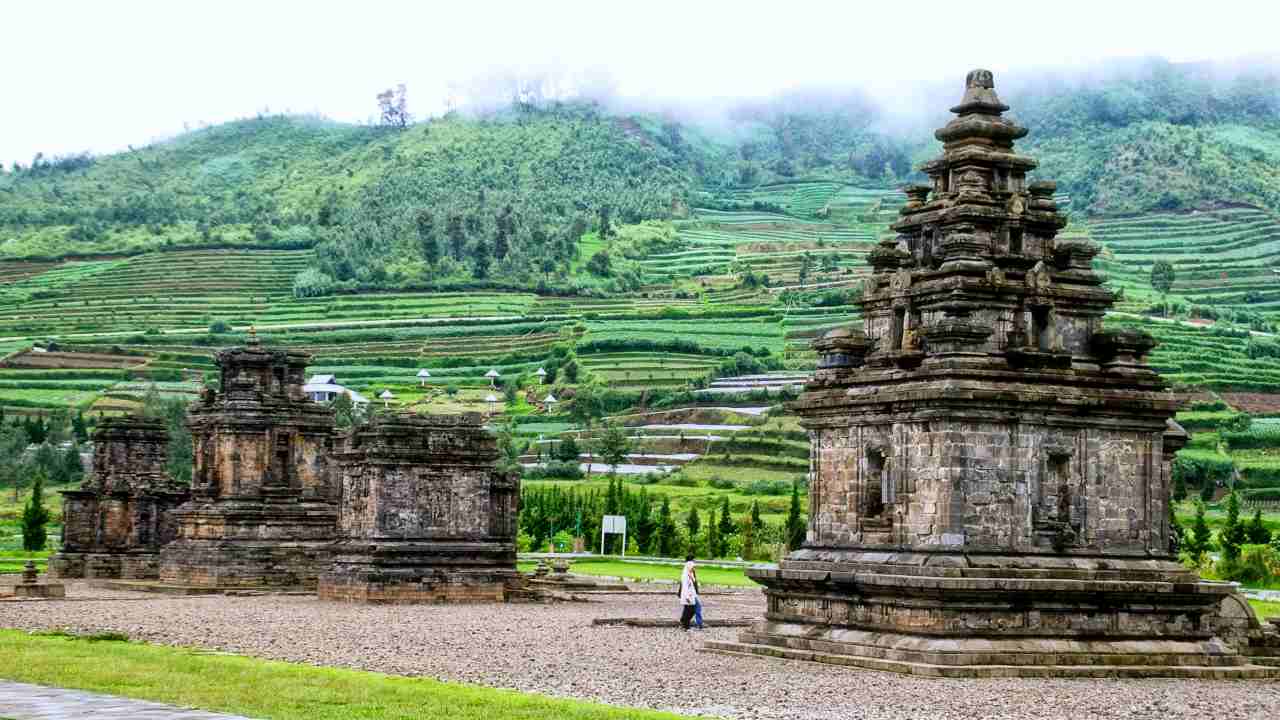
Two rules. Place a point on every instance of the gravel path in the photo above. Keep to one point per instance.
(554, 649)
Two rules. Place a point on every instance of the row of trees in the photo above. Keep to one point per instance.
(557, 515)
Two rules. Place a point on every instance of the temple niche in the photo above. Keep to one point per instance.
(990, 466)
(426, 516)
(263, 504)
(116, 523)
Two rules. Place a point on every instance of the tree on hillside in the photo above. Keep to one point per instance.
(344, 410)
(426, 225)
(394, 107)
(72, 467)
(457, 236)
(748, 530)
(614, 445)
(505, 229)
(606, 224)
(1162, 276)
(1257, 532)
(600, 264)
(35, 516)
(480, 259)
(795, 520)
(713, 534)
(724, 528)
(666, 542)
(1232, 535)
(693, 525)
(1200, 541)
(78, 427)
(13, 443)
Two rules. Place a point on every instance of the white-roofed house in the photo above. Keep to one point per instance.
(324, 388)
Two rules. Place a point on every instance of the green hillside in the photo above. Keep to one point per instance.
(668, 275)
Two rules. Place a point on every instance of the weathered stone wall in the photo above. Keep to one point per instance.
(425, 514)
(123, 514)
(263, 508)
(989, 486)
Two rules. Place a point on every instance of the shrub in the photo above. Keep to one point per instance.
(219, 326)
(720, 483)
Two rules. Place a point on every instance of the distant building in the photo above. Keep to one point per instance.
(324, 388)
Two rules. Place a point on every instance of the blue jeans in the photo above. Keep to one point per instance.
(697, 613)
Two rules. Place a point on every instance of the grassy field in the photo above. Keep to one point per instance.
(269, 690)
(1265, 609)
(644, 572)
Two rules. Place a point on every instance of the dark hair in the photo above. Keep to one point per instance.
(689, 557)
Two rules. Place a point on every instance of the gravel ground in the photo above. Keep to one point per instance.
(554, 649)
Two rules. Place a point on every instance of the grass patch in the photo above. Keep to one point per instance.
(1265, 608)
(268, 689)
(733, 577)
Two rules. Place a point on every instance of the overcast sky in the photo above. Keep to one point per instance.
(99, 75)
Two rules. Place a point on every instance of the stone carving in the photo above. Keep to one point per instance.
(116, 523)
(425, 514)
(263, 506)
(979, 516)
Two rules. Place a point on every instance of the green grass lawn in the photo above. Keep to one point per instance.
(1265, 609)
(644, 571)
(267, 689)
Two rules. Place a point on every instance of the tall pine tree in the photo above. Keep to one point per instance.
(795, 521)
(35, 516)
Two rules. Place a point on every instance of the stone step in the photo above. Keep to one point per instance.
(1234, 672)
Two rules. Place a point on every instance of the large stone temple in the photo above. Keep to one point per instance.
(263, 505)
(116, 523)
(426, 515)
(990, 466)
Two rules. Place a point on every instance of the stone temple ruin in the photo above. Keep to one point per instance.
(425, 516)
(407, 509)
(263, 505)
(989, 466)
(116, 523)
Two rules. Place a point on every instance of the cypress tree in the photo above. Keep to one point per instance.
(1199, 542)
(795, 521)
(713, 535)
(725, 530)
(1257, 532)
(693, 524)
(666, 540)
(35, 516)
(426, 224)
(1233, 533)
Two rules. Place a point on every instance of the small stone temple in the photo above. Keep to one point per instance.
(116, 523)
(263, 504)
(425, 516)
(990, 467)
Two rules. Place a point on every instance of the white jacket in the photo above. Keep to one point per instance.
(688, 593)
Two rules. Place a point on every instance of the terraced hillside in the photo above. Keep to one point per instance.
(1222, 256)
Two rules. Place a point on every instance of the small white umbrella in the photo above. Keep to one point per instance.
(492, 375)
(542, 375)
(550, 399)
(422, 376)
(492, 400)
(386, 397)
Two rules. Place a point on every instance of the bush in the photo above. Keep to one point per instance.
(767, 487)
(218, 327)
(1257, 565)
(720, 483)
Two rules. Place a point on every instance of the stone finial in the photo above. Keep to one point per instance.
(29, 573)
(980, 95)
(253, 335)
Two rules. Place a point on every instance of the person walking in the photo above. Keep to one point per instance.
(697, 603)
(688, 593)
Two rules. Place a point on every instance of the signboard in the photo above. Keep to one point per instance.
(614, 525)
